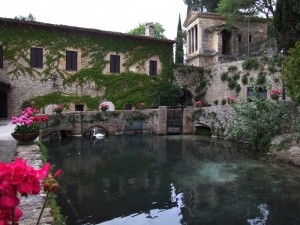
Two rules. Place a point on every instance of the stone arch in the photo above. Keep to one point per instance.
(99, 129)
(203, 129)
(187, 97)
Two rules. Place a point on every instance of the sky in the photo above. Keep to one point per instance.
(108, 15)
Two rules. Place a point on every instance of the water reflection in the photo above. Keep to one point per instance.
(145, 179)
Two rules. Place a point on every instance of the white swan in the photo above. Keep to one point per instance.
(98, 136)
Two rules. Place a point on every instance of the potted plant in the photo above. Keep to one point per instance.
(142, 105)
(58, 108)
(104, 106)
(27, 125)
(198, 104)
(275, 94)
(231, 99)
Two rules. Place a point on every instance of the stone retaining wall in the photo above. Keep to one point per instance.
(32, 205)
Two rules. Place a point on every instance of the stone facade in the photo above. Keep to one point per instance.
(209, 40)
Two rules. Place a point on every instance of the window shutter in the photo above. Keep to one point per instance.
(1, 56)
(153, 67)
(68, 60)
(32, 57)
(74, 61)
(117, 64)
(111, 64)
(39, 57)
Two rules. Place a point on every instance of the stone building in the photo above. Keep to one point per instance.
(36, 58)
(211, 41)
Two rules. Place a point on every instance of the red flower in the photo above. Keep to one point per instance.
(57, 173)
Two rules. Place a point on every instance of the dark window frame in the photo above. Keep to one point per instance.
(152, 67)
(71, 60)
(240, 38)
(114, 64)
(262, 92)
(1, 56)
(36, 57)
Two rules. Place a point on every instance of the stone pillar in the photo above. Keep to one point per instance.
(77, 125)
(187, 120)
(162, 120)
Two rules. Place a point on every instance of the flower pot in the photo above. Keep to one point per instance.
(25, 138)
(275, 96)
(58, 110)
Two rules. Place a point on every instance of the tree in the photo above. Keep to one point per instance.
(30, 17)
(287, 23)
(141, 28)
(235, 8)
(202, 5)
(179, 43)
(291, 73)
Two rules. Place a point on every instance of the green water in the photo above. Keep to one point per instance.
(170, 180)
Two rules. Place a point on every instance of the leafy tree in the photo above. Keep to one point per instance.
(179, 43)
(30, 17)
(169, 94)
(257, 121)
(291, 73)
(234, 8)
(202, 5)
(141, 28)
(287, 23)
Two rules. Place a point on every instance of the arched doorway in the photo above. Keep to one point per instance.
(226, 42)
(187, 98)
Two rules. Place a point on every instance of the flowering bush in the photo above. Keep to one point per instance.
(275, 94)
(231, 99)
(198, 103)
(19, 178)
(142, 105)
(57, 108)
(104, 106)
(28, 122)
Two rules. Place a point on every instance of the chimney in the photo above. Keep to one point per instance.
(149, 29)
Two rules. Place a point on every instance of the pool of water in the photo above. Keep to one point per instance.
(170, 180)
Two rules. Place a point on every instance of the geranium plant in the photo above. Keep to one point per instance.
(28, 122)
(18, 178)
(231, 99)
(58, 108)
(198, 103)
(275, 94)
(104, 106)
(142, 105)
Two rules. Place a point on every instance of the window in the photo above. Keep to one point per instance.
(71, 60)
(1, 56)
(153, 67)
(240, 37)
(79, 107)
(250, 38)
(262, 92)
(36, 57)
(114, 63)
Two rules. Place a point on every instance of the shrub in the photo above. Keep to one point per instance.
(223, 102)
(224, 76)
(250, 63)
(216, 102)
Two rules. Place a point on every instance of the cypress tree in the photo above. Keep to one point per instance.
(179, 43)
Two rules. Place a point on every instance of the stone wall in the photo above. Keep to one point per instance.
(216, 89)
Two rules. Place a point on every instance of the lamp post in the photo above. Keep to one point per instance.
(54, 78)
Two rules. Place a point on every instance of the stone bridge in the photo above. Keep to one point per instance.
(214, 119)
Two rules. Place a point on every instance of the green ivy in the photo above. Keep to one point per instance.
(250, 64)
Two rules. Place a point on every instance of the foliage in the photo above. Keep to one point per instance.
(169, 94)
(158, 30)
(250, 63)
(236, 8)
(30, 17)
(287, 23)
(261, 78)
(136, 116)
(202, 5)
(216, 102)
(223, 102)
(224, 76)
(245, 78)
(257, 122)
(291, 70)
(179, 43)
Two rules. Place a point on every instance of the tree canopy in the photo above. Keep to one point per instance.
(202, 5)
(141, 28)
(179, 43)
(291, 76)
(30, 17)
